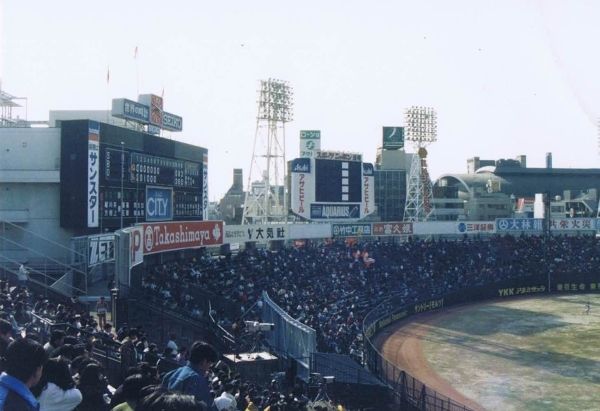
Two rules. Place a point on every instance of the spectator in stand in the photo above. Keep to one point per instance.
(57, 339)
(128, 352)
(23, 275)
(56, 390)
(151, 355)
(101, 310)
(191, 378)
(182, 356)
(23, 363)
(6, 336)
(131, 389)
(171, 343)
(161, 400)
(226, 401)
(94, 389)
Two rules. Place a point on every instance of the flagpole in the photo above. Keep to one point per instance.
(137, 71)
(108, 93)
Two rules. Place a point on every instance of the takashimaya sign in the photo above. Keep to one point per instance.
(169, 236)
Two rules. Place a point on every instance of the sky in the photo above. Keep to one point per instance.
(506, 78)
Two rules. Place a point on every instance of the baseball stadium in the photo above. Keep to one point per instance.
(111, 254)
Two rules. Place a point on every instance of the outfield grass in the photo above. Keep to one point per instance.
(523, 354)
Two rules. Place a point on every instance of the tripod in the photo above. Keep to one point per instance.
(322, 393)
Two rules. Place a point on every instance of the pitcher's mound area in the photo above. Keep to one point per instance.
(521, 354)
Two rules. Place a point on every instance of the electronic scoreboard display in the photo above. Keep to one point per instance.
(159, 179)
(338, 181)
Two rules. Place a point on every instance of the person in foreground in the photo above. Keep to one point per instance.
(23, 364)
(56, 390)
(191, 378)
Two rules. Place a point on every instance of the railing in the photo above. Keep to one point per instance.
(409, 391)
(44, 270)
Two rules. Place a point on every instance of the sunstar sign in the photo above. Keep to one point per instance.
(148, 110)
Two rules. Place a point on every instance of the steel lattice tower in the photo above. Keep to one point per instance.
(421, 130)
(266, 200)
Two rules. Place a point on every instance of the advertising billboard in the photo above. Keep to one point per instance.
(310, 142)
(93, 175)
(301, 186)
(393, 138)
(159, 203)
(171, 236)
(368, 190)
(350, 230)
(257, 233)
(392, 228)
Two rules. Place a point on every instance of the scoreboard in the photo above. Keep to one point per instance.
(331, 186)
(158, 179)
(338, 181)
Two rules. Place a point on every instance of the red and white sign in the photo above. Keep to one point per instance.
(136, 253)
(399, 228)
(177, 235)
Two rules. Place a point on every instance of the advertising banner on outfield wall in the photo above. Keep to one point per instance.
(572, 224)
(475, 227)
(170, 236)
(308, 231)
(392, 228)
(255, 232)
(434, 227)
(350, 230)
(519, 224)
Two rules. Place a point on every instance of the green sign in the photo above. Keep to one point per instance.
(310, 134)
(393, 138)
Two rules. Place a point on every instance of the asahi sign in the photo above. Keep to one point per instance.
(172, 236)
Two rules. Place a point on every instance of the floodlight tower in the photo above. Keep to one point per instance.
(266, 200)
(421, 130)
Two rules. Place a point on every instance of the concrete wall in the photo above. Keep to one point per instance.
(30, 193)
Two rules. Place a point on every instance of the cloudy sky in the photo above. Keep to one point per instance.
(506, 78)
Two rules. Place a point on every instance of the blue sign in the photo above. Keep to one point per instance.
(135, 111)
(350, 230)
(519, 224)
(159, 203)
(368, 169)
(393, 138)
(301, 165)
(334, 211)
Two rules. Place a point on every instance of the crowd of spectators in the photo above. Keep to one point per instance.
(330, 286)
(47, 347)
(48, 360)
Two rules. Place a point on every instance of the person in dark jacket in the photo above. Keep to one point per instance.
(191, 378)
(23, 364)
(94, 389)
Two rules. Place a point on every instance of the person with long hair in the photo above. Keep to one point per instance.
(94, 388)
(56, 390)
